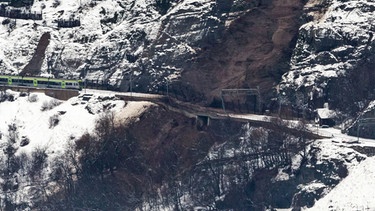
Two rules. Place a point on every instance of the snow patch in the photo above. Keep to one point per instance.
(355, 192)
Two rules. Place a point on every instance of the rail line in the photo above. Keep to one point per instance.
(188, 109)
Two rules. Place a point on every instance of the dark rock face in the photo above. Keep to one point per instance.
(254, 51)
(363, 125)
(196, 48)
(183, 32)
(304, 185)
(35, 64)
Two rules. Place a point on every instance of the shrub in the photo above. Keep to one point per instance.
(38, 161)
(54, 120)
(48, 105)
(4, 96)
(23, 94)
(56, 3)
(6, 21)
(11, 26)
(11, 97)
(24, 141)
(107, 149)
(33, 98)
(13, 133)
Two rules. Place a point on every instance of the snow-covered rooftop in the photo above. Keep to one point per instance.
(325, 113)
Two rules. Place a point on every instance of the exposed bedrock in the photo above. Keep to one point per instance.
(333, 58)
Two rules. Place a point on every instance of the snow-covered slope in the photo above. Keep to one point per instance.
(32, 115)
(355, 192)
(33, 123)
(70, 48)
(114, 39)
(38, 123)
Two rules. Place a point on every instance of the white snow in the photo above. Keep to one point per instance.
(76, 44)
(325, 113)
(313, 186)
(113, 93)
(76, 120)
(355, 192)
(281, 176)
(343, 21)
(77, 115)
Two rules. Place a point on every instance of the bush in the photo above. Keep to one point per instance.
(108, 149)
(48, 105)
(4, 96)
(38, 161)
(6, 21)
(54, 120)
(23, 94)
(11, 26)
(13, 133)
(24, 141)
(33, 98)
(56, 3)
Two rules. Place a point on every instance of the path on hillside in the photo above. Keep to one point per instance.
(194, 110)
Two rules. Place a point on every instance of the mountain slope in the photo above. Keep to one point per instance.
(333, 59)
(224, 44)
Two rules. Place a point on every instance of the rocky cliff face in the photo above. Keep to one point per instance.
(333, 56)
(255, 50)
(199, 47)
(195, 49)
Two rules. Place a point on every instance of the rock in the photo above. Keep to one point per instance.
(307, 198)
(61, 112)
(332, 58)
(24, 141)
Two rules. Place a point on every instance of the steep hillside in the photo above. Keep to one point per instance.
(37, 132)
(254, 50)
(194, 49)
(224, 44)
(333, 59)
(99, 152)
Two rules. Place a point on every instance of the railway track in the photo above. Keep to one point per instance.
(185, 108)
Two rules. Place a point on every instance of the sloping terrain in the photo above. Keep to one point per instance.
(194, 49)
(255, 50)
(301, 54)
(224, 44)
(333, 59)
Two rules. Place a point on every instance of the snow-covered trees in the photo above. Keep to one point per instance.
(89, 174)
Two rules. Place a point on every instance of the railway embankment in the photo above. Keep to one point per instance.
(187, 109)
(61, 94)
